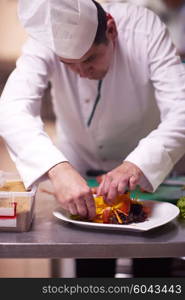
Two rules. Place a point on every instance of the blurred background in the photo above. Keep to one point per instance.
(12, 37)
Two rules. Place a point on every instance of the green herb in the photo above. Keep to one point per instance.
(76, 217)
(181, 206)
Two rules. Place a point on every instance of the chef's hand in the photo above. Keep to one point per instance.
(117, 181)
(72, 191)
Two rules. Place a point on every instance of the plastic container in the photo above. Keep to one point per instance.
(16, 204)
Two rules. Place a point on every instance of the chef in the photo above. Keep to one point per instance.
(118, 91)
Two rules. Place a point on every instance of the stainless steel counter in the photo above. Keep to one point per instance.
(51, 238)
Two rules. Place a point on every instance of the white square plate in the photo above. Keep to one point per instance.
(161, 213)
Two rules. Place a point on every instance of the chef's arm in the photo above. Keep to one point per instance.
(20, 124)
(156, 154)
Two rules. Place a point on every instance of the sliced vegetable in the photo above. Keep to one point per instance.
(117, 216)
(124, 203)
(106, 214)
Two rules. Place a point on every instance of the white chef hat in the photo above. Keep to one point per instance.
(68, 27)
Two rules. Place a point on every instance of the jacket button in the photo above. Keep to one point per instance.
(87, 100)
(100, 146)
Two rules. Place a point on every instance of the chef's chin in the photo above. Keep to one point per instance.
(98, 76)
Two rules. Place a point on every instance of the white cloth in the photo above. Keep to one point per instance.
(144, 85)
(66, 27)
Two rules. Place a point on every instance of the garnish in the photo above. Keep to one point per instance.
(181, 206)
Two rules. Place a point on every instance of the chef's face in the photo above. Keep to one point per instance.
(95, 63)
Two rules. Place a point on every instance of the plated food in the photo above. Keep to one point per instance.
(160, 213)
(124, 211)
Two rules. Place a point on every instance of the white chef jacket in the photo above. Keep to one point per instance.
(140, 116)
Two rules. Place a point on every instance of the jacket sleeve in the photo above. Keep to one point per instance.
(157, 153)
(20, 123)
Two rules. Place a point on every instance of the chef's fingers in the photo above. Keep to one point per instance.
(100, 188)
(122, 187)
(112, 193)
(91, 207)
(133, 181)
(94, 190)
(81, 207)
(72, 209)
(104, 187)
(99, 178)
